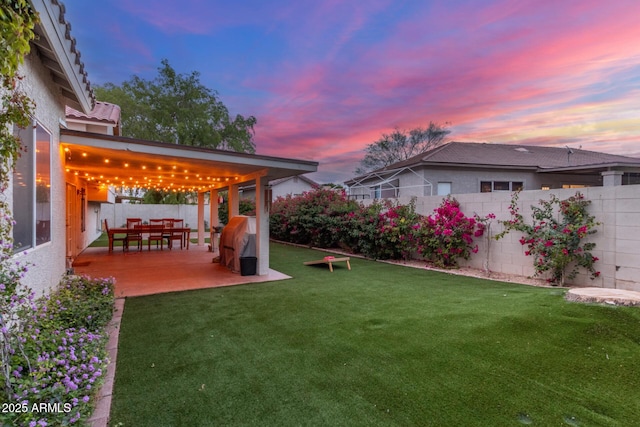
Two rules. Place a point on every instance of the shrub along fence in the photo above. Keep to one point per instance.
(401, 228)
(617, 239)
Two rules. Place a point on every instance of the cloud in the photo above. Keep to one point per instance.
(326, 78)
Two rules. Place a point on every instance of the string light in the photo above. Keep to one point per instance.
(171, 182)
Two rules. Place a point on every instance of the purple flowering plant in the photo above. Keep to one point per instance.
(52, 349)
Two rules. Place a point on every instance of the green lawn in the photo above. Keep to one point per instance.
(376, 346)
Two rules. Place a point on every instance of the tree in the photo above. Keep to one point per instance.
(17, 23)
(168, 197)
(178, 108)
(401, 145)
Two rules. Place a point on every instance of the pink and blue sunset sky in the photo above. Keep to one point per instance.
(325, 78)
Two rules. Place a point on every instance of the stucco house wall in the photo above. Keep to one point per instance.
(280, 188)
(293, 186)
(46, 261)
(419, 181)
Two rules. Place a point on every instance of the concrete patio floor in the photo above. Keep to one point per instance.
(153, 272)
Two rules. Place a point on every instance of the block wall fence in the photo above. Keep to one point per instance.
(117, 214)
(617, 240)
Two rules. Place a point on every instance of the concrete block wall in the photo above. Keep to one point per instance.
(117, 214)
(617, 239)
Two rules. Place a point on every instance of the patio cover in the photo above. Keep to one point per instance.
(105, 160)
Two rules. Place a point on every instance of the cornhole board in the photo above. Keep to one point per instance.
(329, 260)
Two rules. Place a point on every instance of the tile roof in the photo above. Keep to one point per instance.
(59, 53)
(302, 177)
(511, 155)
(103, 112)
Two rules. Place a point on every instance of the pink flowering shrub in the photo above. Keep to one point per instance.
(448, 234)
(383, 230)
(556, 245)
(315, 218)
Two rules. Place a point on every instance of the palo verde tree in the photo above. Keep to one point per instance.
(401, 145)
(178, 108)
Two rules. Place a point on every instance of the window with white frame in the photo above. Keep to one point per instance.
(32, 189)
(444, 188)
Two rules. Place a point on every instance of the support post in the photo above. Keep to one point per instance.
(214, 219)
(200, 218)
(262, 225)
(234, 201)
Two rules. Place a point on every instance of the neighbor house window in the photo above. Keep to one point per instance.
(386, 190)
(501, 186)
(630, 178)
(444, 188)
(489, 186)
(32, 189)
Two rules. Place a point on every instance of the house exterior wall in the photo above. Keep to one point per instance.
(89, 127)
(46, 261)
(293, 186)
(617, 239)
(416, 182)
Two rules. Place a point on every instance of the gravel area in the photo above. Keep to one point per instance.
(474, 272)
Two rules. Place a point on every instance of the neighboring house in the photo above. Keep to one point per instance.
(69, 164)
(104, 119)
(292, 185)
(459, 168)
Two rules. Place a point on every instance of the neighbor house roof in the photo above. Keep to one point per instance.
(103, 112)
(59, 54)
(537, 158)
(301, 177)
(278, 181)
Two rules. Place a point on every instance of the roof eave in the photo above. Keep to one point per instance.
(186, 151)
(602, 166)
(59, 55)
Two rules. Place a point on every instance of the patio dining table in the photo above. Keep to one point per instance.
(146, 229)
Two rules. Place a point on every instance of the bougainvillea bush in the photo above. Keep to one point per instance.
(448, 234)
(383, 229)
(58, 359)
(556, 236)
(315, 218)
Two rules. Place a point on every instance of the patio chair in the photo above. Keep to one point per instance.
(155, 235)
(134, 235)
(113, 238)
(175, 234)
(168, 233)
